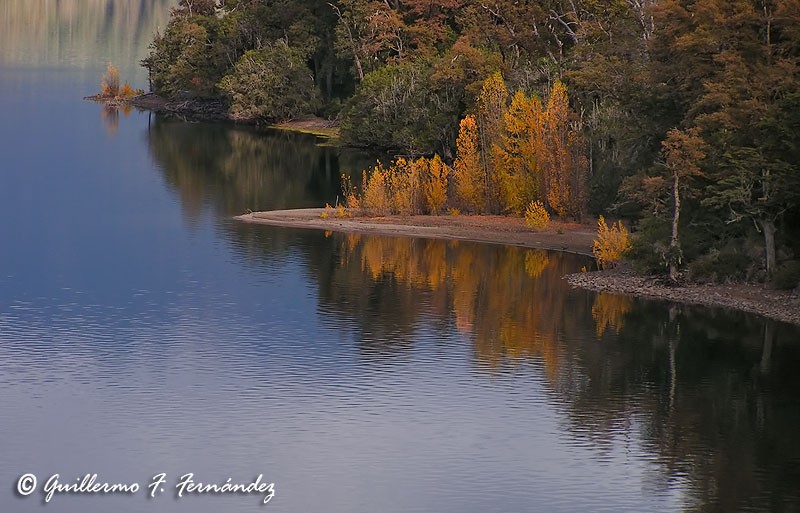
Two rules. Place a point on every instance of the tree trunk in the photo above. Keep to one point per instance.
(766, 351)
(768, 227)
(674, 244)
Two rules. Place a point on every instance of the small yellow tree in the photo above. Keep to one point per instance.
(436, 184)
(376, 194)
(536, 216)
(110, 83)
(611, 243)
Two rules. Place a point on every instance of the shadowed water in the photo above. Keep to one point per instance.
(143, 331)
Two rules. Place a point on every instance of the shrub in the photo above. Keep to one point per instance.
(128, 92)
(536, 216)
(341, 211)
(787, 276)
(648, 250)
(351, 199)
(110, 83)
(326, 214)
(406, 187)
(611, 244)
(719, 265)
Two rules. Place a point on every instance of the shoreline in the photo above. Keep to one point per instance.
(779, 305)
(214, 111)
(509, 231)
(575, 238)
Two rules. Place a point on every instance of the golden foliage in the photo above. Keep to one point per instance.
(341, 211)
(609, 311)
(375, 198)
(564, 162)
(406, 187)
(325, 214)
(518, 153)
(436, 184)
(536, 262)
(611, 243)
(536, 216)
(492, 104)
(511, 307)
(128, 92)
(470, 186)
(350, 193)
(519, 156)
(110, 83)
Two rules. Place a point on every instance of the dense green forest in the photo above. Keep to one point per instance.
(682, 117)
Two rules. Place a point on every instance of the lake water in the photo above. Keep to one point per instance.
(142, 331)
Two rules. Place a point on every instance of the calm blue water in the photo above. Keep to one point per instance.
(143, 331)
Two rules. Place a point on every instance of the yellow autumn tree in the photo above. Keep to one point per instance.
(611, 243)
(470, 186)
(404, 180)
(110, 83)
(492, 105)
(563, 160)
(519, 170)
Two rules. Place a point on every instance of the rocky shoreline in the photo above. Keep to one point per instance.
(775, 304)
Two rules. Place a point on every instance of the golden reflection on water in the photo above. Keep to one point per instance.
(512, 302)
(609, 312)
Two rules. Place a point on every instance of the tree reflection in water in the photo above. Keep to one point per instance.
(712, 396)
(712, 393)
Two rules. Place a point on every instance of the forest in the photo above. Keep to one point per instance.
(679, 117)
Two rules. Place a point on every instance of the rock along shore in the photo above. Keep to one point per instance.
(753, 298)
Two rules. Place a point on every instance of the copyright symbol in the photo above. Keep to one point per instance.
(26, 485)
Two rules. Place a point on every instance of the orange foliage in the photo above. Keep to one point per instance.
(110, 83)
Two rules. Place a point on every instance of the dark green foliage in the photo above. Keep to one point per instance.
(650, 245)
(272, 83)
(733, 262)
(787, 276)
(184, 60)
(398, 106)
